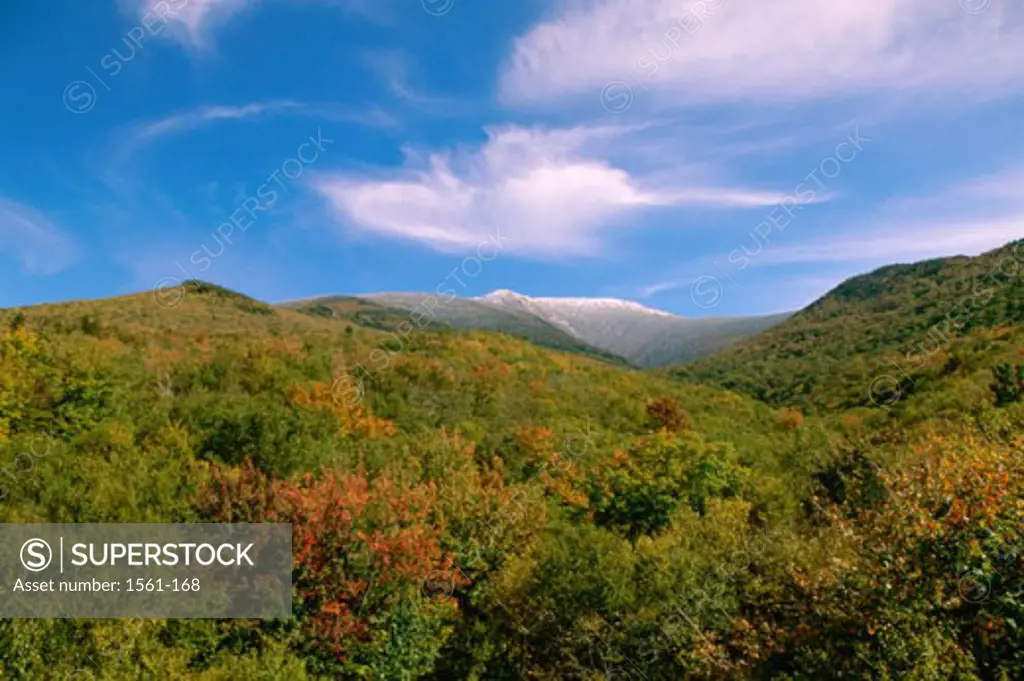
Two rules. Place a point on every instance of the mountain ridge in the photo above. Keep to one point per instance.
(610, 328)
(642, 335)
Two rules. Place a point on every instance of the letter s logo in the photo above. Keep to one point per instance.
(36, 555)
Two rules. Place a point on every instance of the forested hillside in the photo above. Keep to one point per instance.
(472, 506)
(874, 334)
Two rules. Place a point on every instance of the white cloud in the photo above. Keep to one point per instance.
(650, 290)
(550, 190)
(190, 120)
(969, 218)
(35, 241)
(778, 50)
(141, 134)
(191, 20)
(1007, 186)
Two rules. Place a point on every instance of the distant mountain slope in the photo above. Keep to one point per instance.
(385, 311)
(642, 335)
(358, 311)
(871, 334)
(687, 340)
(614, 330)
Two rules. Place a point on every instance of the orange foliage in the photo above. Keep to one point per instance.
(666, 413)
(790, 419)
(536, 439)
(491, 371)
(949, 516)
(961, 490)
(357, 544)
(353, 418)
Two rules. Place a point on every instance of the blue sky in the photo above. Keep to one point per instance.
(700, 156)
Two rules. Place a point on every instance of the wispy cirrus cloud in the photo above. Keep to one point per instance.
(37, 243)
(195, 118)
(967, 218)
(399, 73)
(765, 50)
(551, 190)
(138, 135)
(895, 240)
(191, 20)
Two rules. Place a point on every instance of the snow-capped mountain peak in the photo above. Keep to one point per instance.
(602, 322)
(505, 296)
(639, 334)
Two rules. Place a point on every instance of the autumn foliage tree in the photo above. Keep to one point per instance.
(666, 413)
(373, 585)
(925, 584)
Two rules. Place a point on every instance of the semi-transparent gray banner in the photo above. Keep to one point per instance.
(146, 571)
